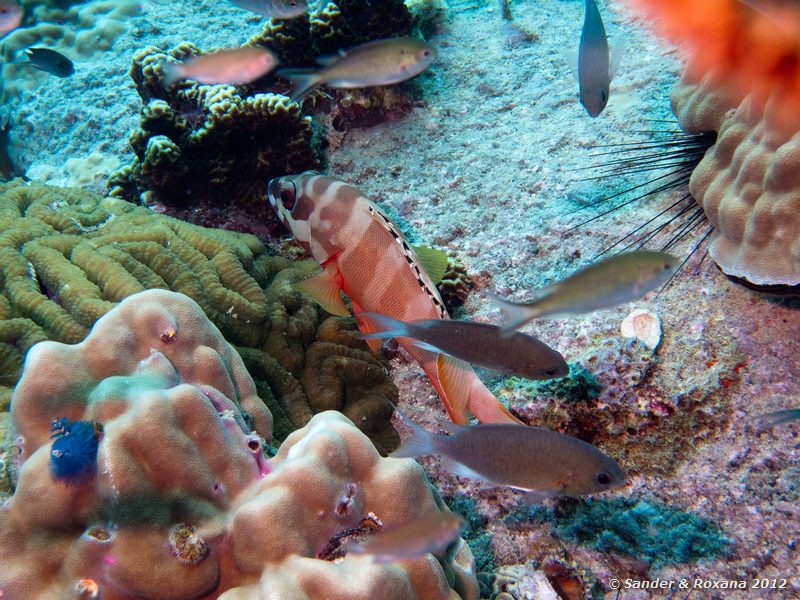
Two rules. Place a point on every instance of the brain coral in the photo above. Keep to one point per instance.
(208, 146)
(184, 502)
(747, 182)
(67, 256)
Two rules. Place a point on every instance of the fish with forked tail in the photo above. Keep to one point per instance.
(381, 62)
(541, 462)
(363, 253)
(49, 61)
(611, 281)
(431, 534)
(481, 344)
(234, 67)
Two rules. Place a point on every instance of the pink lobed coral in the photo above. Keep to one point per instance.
(185, 502)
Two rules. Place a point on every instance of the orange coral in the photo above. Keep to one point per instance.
(749, 47)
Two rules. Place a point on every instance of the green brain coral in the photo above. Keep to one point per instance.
(67, 256)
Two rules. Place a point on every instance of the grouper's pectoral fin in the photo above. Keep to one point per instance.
(455, 379)
(326, 289)
(367, 326)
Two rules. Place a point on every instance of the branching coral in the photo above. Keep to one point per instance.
(68, 256)
(747, 183)
(184, 502)
(208, 146)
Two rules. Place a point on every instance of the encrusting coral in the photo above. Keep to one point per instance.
(209, 146)
(184, 502)
(66, 256)
(747, 182)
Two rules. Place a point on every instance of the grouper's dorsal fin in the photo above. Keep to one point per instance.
(423, 278)
(433, 261)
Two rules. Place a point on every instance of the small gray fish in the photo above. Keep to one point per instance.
(431, 534)
(622, 278)
(276, 9)
(478, 343)
(594, 68)
(381, 62)
(778, 417)
(544, 463)
(49, 61)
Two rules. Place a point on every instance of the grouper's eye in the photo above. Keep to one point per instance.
(288, 197)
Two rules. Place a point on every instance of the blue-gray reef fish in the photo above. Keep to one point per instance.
(10, 16)
(481, 344)
(541, 462)
(778, 417)
(381, 62)
(49, 61)
(277, 9)
(234, 67)
(616, 280)
(594, 67)
(431, 534)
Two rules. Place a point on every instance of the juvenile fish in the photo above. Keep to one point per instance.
(10, 16)
(381, 62)
(49, 61)
(542, 462)
(277, 9)
(594, 68)
(432, 534)
(778, 417)
(622, 278)
(477, 343)
(235, 67)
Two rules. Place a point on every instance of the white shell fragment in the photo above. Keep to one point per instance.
(644, 326)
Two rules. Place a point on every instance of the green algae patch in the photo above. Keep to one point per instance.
(655, 532)
(579, 384)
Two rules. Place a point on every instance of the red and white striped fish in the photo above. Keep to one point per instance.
(365, 255)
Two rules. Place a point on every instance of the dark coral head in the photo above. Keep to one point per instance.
(73, 456)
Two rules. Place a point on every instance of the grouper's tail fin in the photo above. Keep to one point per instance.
(465, 393)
